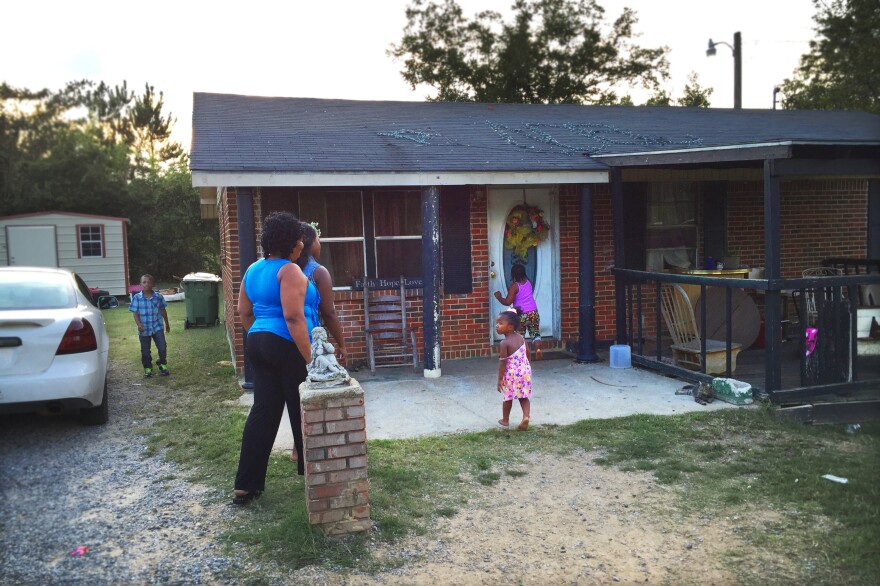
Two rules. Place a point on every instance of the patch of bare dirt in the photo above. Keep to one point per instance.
(567, 521)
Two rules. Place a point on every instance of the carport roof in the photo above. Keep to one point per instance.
(233, 133)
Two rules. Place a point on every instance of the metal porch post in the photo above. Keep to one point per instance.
(617, 219)
(586, 281)
(247, 255)
(431, 279)
(773, 271)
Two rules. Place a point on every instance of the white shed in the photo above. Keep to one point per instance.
(95, 247)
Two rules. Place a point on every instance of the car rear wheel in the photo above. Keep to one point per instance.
(96, 415)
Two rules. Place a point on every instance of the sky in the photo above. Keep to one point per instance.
(338, 48)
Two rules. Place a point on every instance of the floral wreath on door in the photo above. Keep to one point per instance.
(525, 228)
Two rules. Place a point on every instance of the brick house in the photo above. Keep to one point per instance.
(422, 190)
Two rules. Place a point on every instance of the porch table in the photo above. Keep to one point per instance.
(693, 291)
(744, 316)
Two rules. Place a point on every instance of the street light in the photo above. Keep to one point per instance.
(737, 65)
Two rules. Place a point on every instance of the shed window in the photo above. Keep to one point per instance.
(91, 241)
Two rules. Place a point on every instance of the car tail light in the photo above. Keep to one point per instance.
(79, 337)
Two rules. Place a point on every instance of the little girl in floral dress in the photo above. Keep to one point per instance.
(514, 368)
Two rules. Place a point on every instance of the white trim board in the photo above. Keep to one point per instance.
(258, 179)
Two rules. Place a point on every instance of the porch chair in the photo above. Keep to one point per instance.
(679, 317)
(812, 313)
(389, 339)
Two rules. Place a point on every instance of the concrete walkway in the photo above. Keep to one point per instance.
(401, 403)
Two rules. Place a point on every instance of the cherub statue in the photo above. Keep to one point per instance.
(324, 368)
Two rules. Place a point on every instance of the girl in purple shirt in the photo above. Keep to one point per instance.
(519, 294)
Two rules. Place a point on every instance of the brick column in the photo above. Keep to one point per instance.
(335, 446)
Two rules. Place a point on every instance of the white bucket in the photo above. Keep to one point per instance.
(621, 356)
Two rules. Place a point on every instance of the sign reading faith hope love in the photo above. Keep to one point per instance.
(373, 283)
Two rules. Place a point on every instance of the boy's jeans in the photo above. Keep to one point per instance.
(146, 358)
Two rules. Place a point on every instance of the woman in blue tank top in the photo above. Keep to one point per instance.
(271, 303)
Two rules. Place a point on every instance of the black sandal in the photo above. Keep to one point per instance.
(245, 499)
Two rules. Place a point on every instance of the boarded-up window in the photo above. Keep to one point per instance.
(372, 233)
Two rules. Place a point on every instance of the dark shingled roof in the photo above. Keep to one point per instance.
(305, 135)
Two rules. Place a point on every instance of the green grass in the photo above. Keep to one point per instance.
(731, 462)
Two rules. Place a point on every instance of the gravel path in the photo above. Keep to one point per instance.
(66, 485)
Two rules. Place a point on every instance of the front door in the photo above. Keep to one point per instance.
(541, 261)
(32, 246)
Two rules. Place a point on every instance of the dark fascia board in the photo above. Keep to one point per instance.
(869, 168)
(700, 156)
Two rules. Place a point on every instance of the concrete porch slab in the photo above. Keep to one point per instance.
(401, 403)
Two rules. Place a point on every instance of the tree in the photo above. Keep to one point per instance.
(695, 95)
(167, 235)
(842, 68)
(553, 51)
(91, 148)
(151, 131)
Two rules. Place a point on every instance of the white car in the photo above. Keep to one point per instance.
(53, 345)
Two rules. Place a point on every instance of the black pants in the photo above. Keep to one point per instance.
(146, 358)
(279, 369)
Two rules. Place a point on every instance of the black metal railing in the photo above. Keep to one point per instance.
(833, 364)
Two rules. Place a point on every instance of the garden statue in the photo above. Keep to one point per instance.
(324, 370)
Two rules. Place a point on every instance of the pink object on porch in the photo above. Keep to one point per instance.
(810, 335)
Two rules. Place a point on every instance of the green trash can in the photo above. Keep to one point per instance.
(202, 299)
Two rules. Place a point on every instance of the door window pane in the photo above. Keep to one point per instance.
(339, 213)
(399, 257)
(398, 213)
(344, 260)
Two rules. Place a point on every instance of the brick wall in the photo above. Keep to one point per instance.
(231, 269)
(464, 322)
(569, 261)
(227, 215)
(820, 219)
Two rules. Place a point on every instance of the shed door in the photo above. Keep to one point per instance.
(32, 246)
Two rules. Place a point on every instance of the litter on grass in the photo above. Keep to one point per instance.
(834, 478)
(80, 551)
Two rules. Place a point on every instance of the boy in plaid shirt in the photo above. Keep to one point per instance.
(148, 306)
